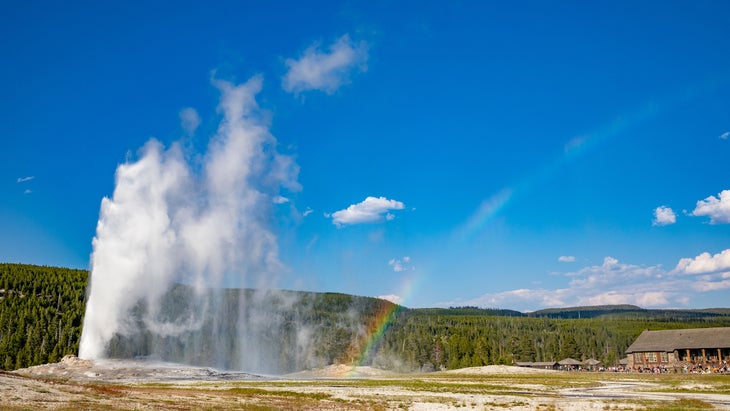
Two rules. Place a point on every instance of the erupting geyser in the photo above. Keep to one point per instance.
(177, 230)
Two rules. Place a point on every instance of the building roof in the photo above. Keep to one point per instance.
(591, 361)
(670, 340)
(535, 364)
(569, 361)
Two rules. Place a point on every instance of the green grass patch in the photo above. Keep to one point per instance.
(684, 404)
(251, 392)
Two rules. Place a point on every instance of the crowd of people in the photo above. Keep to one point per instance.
(687, 368)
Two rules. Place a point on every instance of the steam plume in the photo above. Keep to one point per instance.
(201, 223)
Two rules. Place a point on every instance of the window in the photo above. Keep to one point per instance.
(637, 357)
(651, 357)
(664, 357)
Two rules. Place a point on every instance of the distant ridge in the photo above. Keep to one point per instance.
(628, 311)
(618, 312)
(469, 311)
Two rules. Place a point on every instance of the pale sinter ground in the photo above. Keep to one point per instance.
(121, 384)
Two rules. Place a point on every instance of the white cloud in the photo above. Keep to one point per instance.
(280, 200)
(611, 282)
(514, 299)
(704, 263)
(642, 299)
(371, 210)
(307, 212)
(664, 215)
(614, 282)
(325, 71)
(566, 259)
(725, 135)
(391, 297)
(400, 265)
(612, 274)
(27, 191)
(704, 286)
(717, 208)
(24, 179)
(189, 120)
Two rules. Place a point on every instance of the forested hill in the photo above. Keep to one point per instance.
(42, 308)
(434, 339)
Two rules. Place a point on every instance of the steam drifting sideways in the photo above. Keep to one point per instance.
(179, 228)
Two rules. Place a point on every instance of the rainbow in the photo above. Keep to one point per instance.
(376, 327)
(375, 330)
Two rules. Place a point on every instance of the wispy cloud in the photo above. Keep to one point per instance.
(370, 210)
(614, 282)
(664, 215)
(725, 135)
(401, 265)
(485, 212)
(519, 299)
(575, 143)
(566, 259)
(715, 282)
(307, 212)
(27, 191)
(717, 208)
(24, 179)
(325, 71)
(189, 120)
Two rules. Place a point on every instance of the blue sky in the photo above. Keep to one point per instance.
(502, 154)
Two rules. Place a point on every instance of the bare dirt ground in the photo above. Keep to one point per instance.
(114, 384)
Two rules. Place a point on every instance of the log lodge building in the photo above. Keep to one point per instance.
(678, 348)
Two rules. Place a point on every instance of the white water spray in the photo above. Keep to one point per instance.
(199, 224)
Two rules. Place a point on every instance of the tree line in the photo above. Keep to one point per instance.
(423, 340)
(41, 312)
(42, 308)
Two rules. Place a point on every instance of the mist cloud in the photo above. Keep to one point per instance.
(189, 120)
(171, 221)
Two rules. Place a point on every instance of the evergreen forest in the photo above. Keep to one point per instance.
(42, 308)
